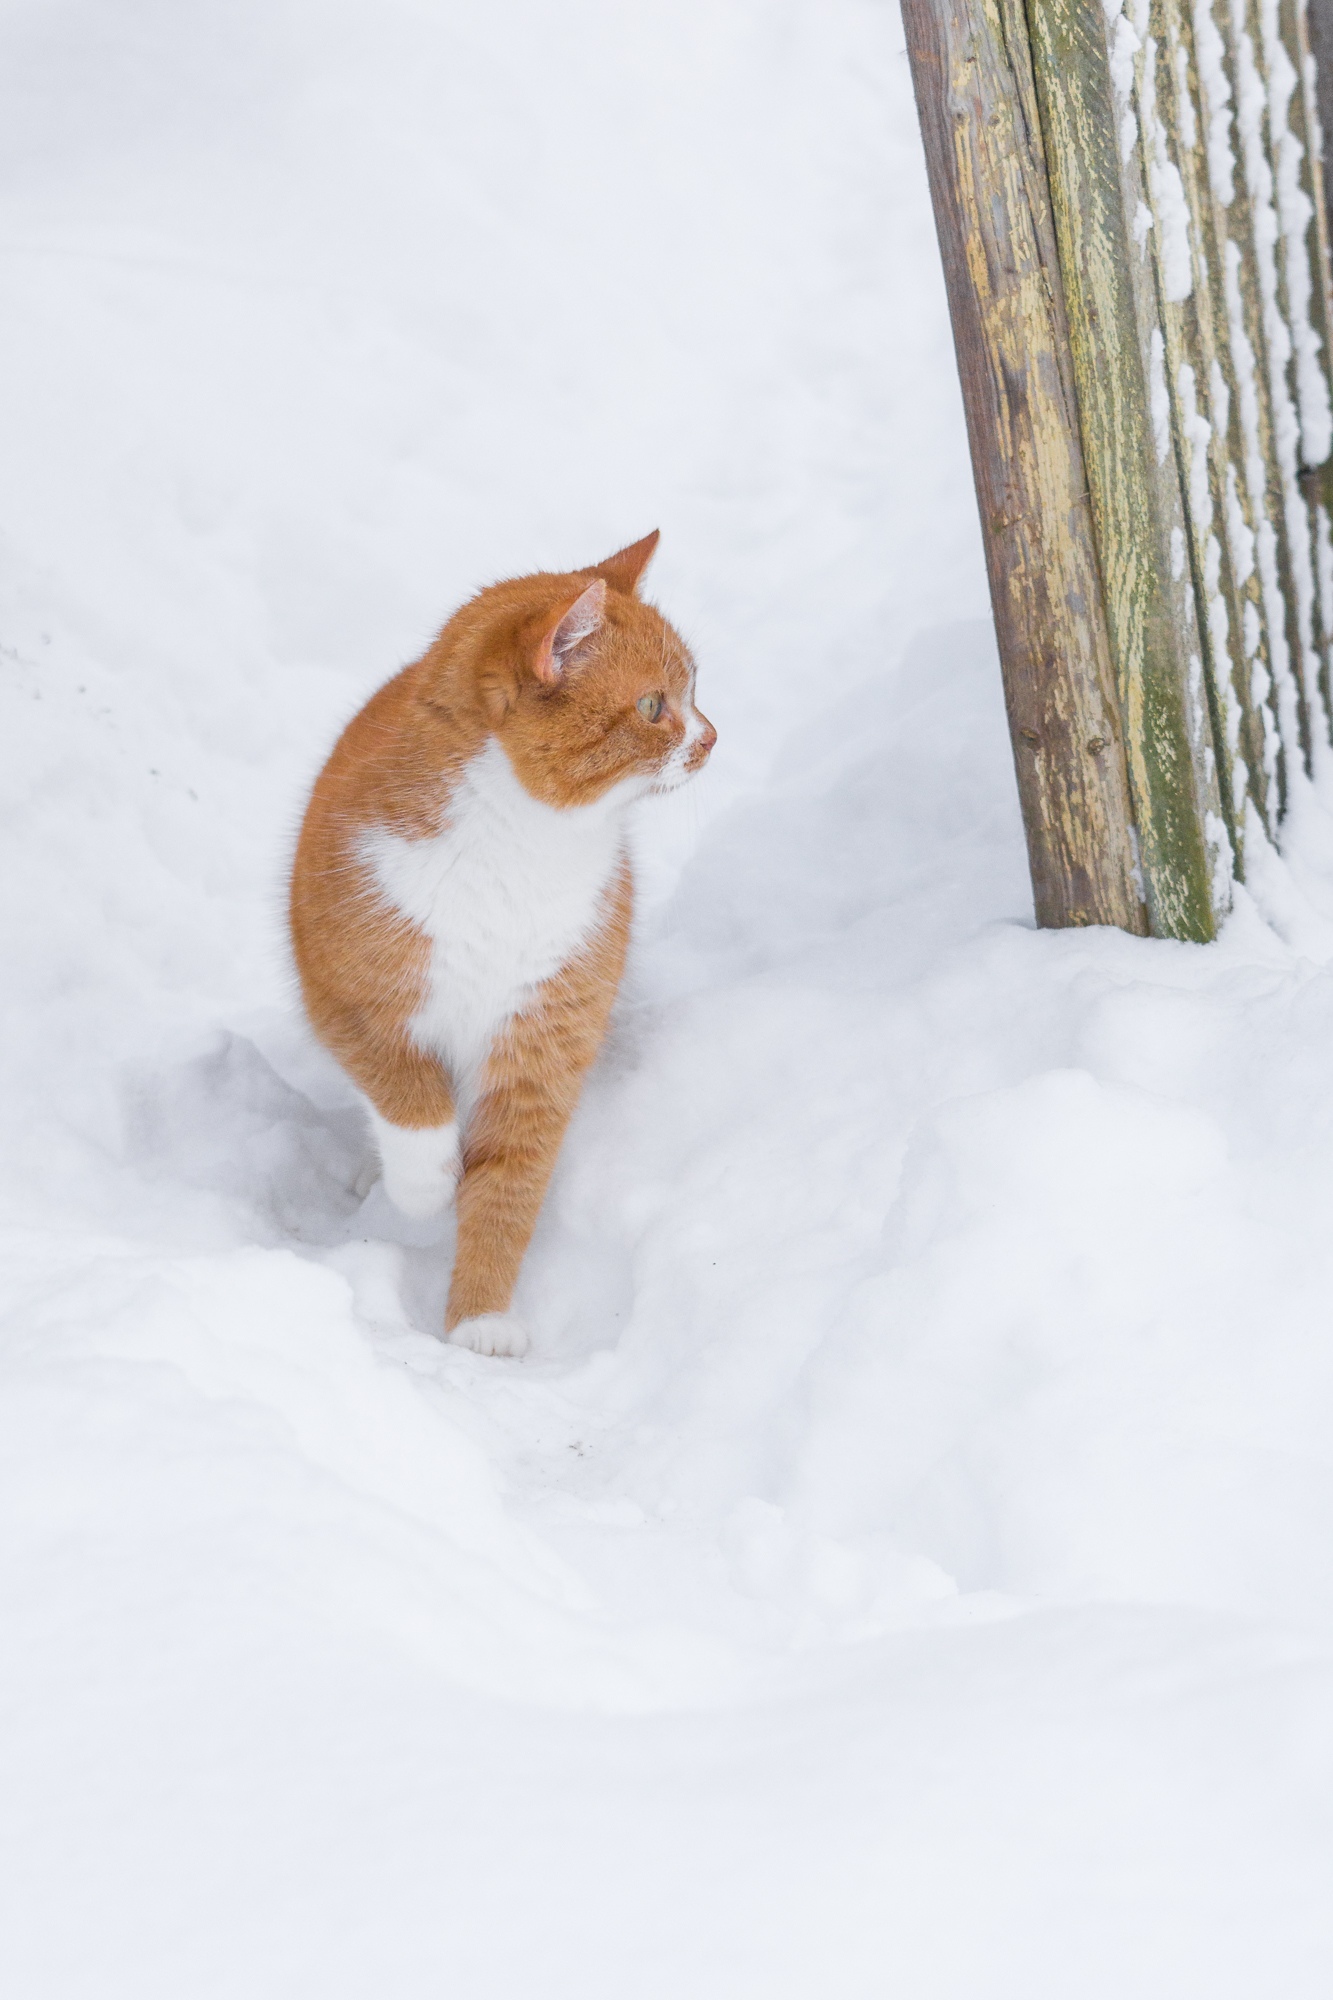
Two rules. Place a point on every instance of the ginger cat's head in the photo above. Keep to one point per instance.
(588, 689)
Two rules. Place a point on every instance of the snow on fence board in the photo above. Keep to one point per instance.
(1130, 206)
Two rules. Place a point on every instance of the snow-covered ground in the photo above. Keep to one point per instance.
(905, 1566)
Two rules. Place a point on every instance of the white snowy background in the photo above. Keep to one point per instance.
(905, 1565)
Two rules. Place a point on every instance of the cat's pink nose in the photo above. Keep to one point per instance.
(707, 739)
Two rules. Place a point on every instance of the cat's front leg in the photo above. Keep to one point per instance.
(533, 1081)
(512, 1143)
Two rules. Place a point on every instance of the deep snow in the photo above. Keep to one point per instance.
(905, 1564)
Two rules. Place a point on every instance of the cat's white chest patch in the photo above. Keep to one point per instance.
(507, 893)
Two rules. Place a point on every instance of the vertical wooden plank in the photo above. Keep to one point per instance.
(1314, 43)
(1090, 134)
(1220, 207)
(1219, 29)
(1165, 105)
(1318, 33)
(1222, 522)
(972, 75)
(1256, 235)
(1295, 18)
(1298, 386)
(1306, 275)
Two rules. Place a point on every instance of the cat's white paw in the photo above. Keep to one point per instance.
(491, 1333)
(420, 1166)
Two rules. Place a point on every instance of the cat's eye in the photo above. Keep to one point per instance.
(649, 705)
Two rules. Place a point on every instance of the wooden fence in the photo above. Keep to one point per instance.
(1130, 206)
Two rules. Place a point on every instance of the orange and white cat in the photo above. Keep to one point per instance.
(460, 902)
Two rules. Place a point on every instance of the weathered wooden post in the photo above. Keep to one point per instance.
(987, 166)
(1129, 201)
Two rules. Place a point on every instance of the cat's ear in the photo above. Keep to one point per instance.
(583, 618)
(623, 570)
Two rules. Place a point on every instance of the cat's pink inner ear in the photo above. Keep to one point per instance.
(582, 619)
(623, 570)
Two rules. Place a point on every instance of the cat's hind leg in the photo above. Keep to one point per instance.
(532, 1084)
(420, 1164)
(513, 1138)
(409, 1101)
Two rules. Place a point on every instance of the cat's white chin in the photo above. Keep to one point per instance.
(670, 779)
(492, 1333)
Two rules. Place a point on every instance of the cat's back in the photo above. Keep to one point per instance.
(390, 770)
(386, 768)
